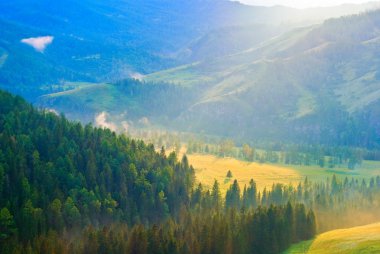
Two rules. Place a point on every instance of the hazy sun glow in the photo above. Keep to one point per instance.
(302, 3)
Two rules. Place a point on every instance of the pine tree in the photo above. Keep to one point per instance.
(215, 195)
(7, 224)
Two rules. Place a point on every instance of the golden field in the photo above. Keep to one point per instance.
(208, 168)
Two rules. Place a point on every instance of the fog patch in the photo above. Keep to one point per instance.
(144, 121)
(55, 112)
(137, 76)
(101, 121)
(125, 126)
(38, 43)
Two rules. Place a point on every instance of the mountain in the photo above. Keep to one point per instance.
(96, 41)
(316, 84)
(313, 81)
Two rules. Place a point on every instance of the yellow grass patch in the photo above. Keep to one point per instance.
(208, 168)
(364, 239)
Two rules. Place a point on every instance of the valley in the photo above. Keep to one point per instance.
(189, 127)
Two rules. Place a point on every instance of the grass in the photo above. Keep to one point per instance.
(366, 170)
(209, 167)
(363, 239)
(89, 97)
(299, 248)
(184, 75)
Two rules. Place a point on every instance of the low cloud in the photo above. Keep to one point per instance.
(144, 121)
(38, 43)
(101, 121)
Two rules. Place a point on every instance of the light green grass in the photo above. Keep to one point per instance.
(366, 170)
(103, 97)
(364, 239)
(299, 248)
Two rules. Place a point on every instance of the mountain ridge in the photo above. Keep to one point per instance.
(312, 84)
(130, 38)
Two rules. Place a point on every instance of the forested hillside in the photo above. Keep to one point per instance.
(59, 180)
(65, 188)
(58, 175)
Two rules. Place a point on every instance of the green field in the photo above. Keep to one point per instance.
(364, 239)
(366, 170)
(101, 94)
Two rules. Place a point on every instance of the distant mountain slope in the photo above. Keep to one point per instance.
(316, 82)
(111, 40)
(128, 101)
(364, 239)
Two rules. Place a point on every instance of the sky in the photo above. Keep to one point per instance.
(302, 3)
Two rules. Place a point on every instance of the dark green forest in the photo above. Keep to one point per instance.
(61, 181)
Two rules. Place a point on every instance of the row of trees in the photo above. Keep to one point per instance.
(289, 154)
(264, 230)
(335, 201)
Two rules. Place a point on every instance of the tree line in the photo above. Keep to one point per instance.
(306, 155)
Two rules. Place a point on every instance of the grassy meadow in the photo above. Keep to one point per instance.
(209, 167)
(363, 239)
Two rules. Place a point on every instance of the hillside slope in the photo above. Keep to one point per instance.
(111, 40)
(129, 37)
(317, 84)
(312, 83)
(95, 176)
(364, 239)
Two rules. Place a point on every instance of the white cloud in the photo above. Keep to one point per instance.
(38, 43)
